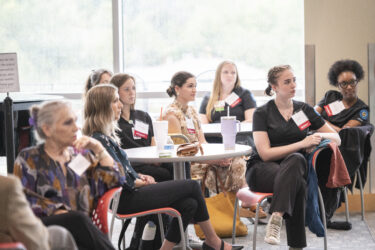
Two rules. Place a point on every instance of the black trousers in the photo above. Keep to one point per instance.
(287, 181)
(183, 195)
(85, 233)
(164, 172)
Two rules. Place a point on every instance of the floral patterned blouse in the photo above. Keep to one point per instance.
(183, 115)
(48, 189)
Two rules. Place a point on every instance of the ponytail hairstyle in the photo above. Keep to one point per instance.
(178, 79)
(94, 78)
(217, 87)
(273, 76)
(45, 114)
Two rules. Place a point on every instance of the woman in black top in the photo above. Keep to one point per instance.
(227, 93)
(136, 127)
(343, 109)
(141, 192)
(280, 130)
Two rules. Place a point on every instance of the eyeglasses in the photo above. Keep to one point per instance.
(345, 84)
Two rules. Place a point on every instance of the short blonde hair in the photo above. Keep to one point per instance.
(46, 113)
(98, 113)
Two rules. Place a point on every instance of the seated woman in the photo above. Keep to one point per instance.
(55, 192)
(19, 224)
(227, 97)
(183, 119)
(141, 192)
(227, 93)
(136, 131)
(343, 109)
(136, 127)
(96, 77)
(278, 166)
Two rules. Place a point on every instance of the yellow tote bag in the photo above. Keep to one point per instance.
(221, 209)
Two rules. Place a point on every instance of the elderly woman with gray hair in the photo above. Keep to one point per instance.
(48, 172)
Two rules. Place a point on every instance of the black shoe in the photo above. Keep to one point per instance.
(339, 225)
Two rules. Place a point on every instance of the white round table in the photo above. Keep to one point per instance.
(211, 151)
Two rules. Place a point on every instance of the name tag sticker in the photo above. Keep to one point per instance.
(140, 129)
(219, 106)
(233, 99)
(79, 164)
(334, 108)
(301, 120)
(190, 125)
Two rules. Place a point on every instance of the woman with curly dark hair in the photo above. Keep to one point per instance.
(343, 109)
(348, 115)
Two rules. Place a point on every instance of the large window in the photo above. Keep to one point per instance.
(57, 42)
(165, 36)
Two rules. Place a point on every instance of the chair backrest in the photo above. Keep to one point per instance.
(100, 213)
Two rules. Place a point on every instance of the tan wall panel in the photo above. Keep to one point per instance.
(339, 29)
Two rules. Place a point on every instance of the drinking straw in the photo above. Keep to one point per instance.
(161, 112)
(228, 111)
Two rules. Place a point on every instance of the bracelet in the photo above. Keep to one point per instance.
(99, 156)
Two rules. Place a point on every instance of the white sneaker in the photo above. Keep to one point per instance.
(273, 230)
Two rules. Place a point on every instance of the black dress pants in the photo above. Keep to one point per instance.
(287, 181)
(183, 195)
(85, 233)
(164, 172)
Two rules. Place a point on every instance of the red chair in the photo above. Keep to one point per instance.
(12, 246)
(252, 198)
(100, 215)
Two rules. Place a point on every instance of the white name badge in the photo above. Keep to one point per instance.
(190, 125)
(334, 108)
(301, 120)
(134, 136)
(79, 164)
(233, 99)
(141, 129)
(219, 106)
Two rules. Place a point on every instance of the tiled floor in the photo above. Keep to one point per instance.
(361, 236)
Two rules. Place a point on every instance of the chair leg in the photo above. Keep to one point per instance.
(345, 189)
(323, 215)
(256, 226)
(183, 240)
(361, 191)
(236, 205)
(124, 238)
(161, 228)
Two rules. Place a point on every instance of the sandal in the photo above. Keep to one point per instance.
(207, 247)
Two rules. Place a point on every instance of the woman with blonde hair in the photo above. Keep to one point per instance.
(141, 192)
(227, 97)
